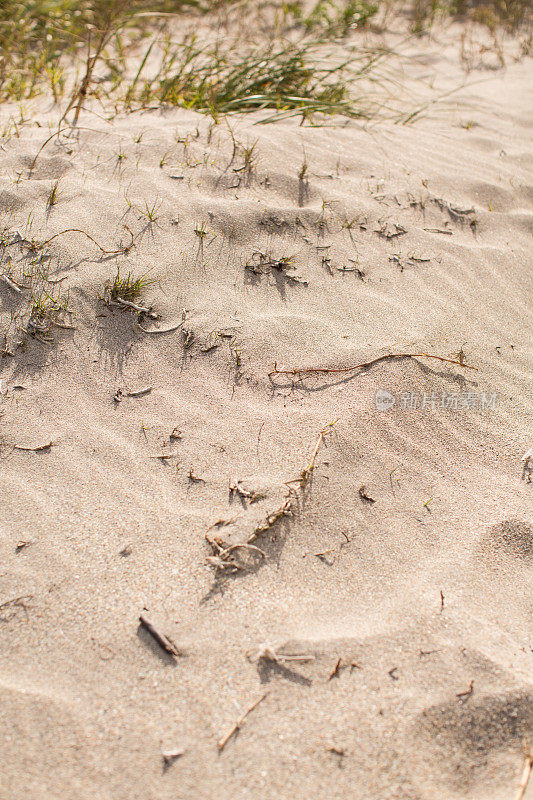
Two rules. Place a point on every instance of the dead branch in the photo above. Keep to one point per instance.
(463, 696)
(121, 303)
(306, 473)
(169, 756)
(223, 561)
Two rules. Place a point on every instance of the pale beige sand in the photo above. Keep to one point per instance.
(88, 702)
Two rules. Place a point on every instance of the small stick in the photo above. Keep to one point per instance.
(237, 726)
(269, 652)
(165, 330)
(121, 303)
(63, 326)
(336, 670)
(465, 695)
(169, 756)
(194, 478)
(526, 773)
(364, 495)
(37, 449)
(221, 560)
(259, 437)
(363, 365)
(325, 552)
(306, 473)
(140, 392)
(162, 640)
(392, 673)
(11, 284)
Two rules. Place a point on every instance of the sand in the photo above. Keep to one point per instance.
(411, 597)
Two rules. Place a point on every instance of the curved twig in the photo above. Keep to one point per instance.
(363, 365)
(78, 230)
(165, 330)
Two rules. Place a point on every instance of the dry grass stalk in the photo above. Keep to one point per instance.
(269, 652)
(237, 726)
(526, 774)
(224, 558)
(364, 365)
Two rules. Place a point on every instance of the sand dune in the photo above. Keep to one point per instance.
(412, 595)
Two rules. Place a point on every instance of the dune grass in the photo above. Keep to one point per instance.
(94, 41)
(127, 287)
(283, 77)
(509, 15)
(125, 53)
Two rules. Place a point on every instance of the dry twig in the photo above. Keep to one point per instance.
(11, 283)
(463, 696)
(363, 365)
(305, 474)
(139, 392)
(237, 726)
(163, 641)
(269, 652)
(169, 756)
(336, 670)
(40, 448)
(526, 773)
(364, 495)
(165, 330)
(41, 245)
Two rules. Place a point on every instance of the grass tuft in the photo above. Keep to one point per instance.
(127, 288)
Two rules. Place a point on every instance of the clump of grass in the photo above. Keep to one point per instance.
(150, 212)
(46, 310)
(37, 38)
(40, 304)
(510, 15)
(128, 288)
(53, 196)
(284, 78)
(338, 18)
(49, 304)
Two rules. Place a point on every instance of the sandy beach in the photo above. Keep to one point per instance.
(344, 551)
